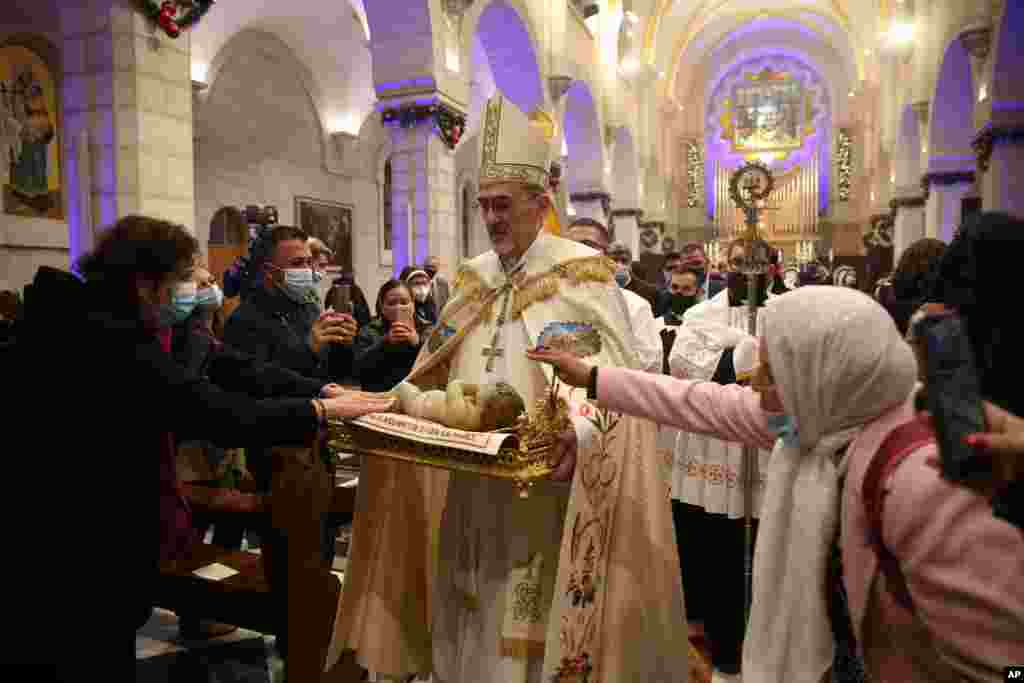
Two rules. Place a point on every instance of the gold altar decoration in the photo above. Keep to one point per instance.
(524, 457)
(770, 113)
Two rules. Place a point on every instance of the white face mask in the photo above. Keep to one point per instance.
(420, 293)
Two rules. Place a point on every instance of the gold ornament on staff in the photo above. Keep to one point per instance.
(749, 187)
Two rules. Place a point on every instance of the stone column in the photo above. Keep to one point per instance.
(976, 41)
(627, 227)
(909, 222)
(944, 194)
(1000, 153)
(423, 206)
(594, 205)
(127, 94)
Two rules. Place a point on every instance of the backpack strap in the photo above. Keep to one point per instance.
(900, 443)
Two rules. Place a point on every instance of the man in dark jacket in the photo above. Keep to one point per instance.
(281, 322)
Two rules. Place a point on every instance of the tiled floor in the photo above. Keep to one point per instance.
(243, 656)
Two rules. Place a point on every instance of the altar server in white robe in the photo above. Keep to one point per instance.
(644, 326)
(519, 590)
(708, 474)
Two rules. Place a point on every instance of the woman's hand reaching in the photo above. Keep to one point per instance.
(568, 368)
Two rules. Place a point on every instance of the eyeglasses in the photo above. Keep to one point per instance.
(495, 204)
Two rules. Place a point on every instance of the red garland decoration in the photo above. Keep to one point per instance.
(165, 15)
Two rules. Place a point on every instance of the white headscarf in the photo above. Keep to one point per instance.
(838, 362)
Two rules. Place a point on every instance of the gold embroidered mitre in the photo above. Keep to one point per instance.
(514, 147)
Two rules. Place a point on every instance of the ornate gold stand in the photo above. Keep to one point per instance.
(525, 458)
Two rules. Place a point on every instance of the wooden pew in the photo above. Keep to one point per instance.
(302, 491)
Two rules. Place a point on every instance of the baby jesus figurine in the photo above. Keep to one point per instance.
(469, 407)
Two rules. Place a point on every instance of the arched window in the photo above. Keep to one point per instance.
(228, 227)
(386, 192)
(467, 219)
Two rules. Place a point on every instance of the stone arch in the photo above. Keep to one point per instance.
(582, 129)
(625, 170)
(510, 43)
(402, 42)
(1007, 59)
(271, 44)
(952, 113)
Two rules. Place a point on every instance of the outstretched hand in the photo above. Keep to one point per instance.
(568, 368)
(353, 404)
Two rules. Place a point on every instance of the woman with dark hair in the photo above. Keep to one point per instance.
(101, 345)
(913, 279)
(386, 349)
(971, 280)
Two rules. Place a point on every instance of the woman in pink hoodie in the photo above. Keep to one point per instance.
(835, 379)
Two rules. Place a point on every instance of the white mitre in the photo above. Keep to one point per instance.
(515, 147)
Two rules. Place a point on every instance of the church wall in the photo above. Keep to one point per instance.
(259, 142)
(28, 243)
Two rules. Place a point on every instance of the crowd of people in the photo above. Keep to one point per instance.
(871, 562)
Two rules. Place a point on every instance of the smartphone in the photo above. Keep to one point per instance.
(953, 393)
(341, 299)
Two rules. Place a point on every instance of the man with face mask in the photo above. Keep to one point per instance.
(645, 328)
(426, 309)
(440, 288)
(625, 278)
(707, 475)
(281, 322)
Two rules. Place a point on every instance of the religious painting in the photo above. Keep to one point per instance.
(30, 172)
(767, 111)
(332, 223)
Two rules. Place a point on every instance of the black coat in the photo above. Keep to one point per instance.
(379, 366)
(199, 352)
(273, 329)
(85, 449)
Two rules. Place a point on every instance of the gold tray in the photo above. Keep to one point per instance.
(526, 458)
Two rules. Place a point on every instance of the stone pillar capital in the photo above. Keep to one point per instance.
(977, 41)
(450, 121)
(990, 136)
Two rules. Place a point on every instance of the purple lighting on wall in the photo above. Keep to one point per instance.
(512, 57)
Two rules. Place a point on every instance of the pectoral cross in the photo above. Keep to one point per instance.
(494, 351)
(491, 353)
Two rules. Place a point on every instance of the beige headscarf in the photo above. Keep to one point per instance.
(838, 362)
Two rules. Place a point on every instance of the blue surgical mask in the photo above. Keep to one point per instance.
(299, 285)
(184, 301)
(622, 277)
(210, 298)
(784, 427)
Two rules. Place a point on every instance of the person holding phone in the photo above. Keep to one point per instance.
(386, 349)
(972, 283)
(835, 382)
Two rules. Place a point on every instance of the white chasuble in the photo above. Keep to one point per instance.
(578, 582)
(708, 472)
